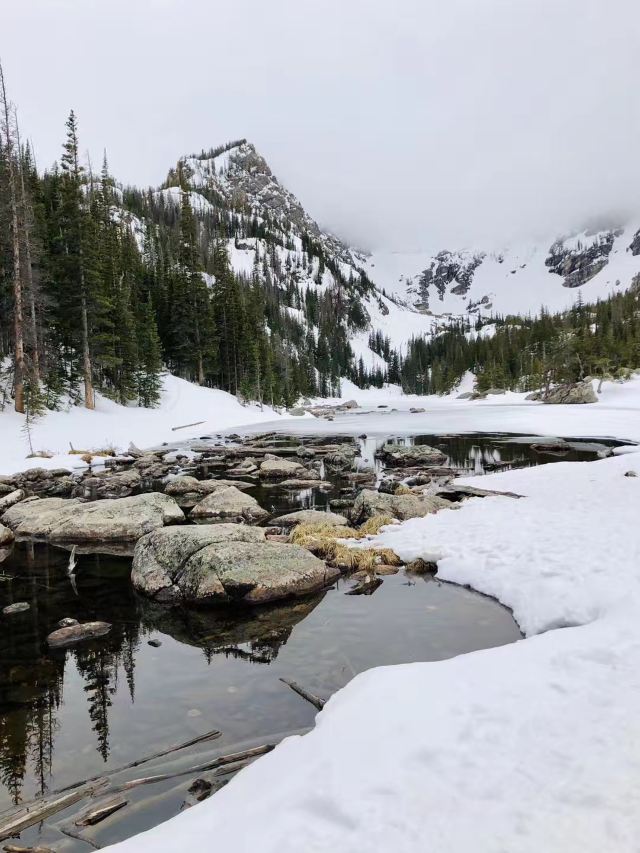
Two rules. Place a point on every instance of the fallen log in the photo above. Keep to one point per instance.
(221, 761)
(212, 735)
(316, 701)
(24, 817)
(100, 811)
(184, 426)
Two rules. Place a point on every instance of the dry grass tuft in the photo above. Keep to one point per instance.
(373, 525)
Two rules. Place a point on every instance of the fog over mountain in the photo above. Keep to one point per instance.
(406, 125)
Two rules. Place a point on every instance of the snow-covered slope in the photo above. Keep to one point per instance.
(519, 279)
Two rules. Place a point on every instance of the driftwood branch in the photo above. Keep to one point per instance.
(100, 811)
(316, 701)
(39, 810)
(221, 761)
(184, 426)
(212, 735)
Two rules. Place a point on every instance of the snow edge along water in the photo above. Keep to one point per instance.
(527, 747)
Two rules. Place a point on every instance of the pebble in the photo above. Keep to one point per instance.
(18, 607)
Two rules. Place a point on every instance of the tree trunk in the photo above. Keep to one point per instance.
(89, 396)
(26, 217)
(17, 283)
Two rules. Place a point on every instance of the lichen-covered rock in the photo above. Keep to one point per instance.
(6, 536)
(414, 454)
(370, 503)
(101, 523)
(188, 491)
(275, 468)
(229, 504)
(221, 564)
(119, 484)
(310, 516)
(572, 392)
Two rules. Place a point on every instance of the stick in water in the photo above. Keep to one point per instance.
(310, 697)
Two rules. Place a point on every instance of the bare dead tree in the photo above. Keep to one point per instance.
(7, 131)
(27, 220)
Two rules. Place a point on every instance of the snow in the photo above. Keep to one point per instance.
(113, 425)
(527, 747)
(516, 279)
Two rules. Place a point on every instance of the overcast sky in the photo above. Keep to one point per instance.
(404, 124)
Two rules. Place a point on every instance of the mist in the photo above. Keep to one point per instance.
(404, 126)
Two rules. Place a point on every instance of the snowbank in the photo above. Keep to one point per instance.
(112, 425)
(528, 747)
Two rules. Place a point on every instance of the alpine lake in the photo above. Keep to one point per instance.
(165, 676)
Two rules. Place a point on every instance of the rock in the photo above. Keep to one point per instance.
(572, 392)
(123, 520)
(310, 516)
(154, 643)
(18, 607)
(534, 395)
(468, 395)
(67, 622)
(370, 503)
(188, 491)
(367, 586)
(296, 411)
(416, 411)
(305, 452)
(275, 468)
(120, 484)
(555, 447)
(134, 451)
(11, 499)
(421, 567)
(350, 404)
(229, 504)
(223, 563)
(495, 391)
(631, 474)
(415, 454)
(64, 637)
(295, 484)
(341, 503)
(6, 536)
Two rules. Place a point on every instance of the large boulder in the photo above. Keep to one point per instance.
(275, 468)
(571, 392)
(94, 526)
(108, 484)
(310, 516)
(229, 504)
(221, 564)
(188, 491)
(6, 536)
(370, 503)
(414, 454)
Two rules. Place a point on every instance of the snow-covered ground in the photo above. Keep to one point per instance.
(112, 425)
(525, 748)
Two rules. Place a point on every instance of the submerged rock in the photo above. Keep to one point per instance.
(221, 564)
(370, 503)
(18, 607)
(571, 392)
(229, 504)
(414, 454)
(101, 523)
(310, 516)
(64, 637)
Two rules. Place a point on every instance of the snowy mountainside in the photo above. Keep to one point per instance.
(518, 279)
(398, 295)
